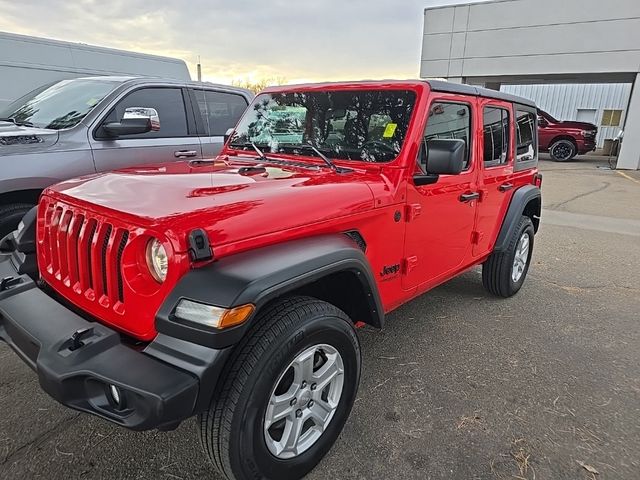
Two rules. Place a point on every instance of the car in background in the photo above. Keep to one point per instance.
(96, 124)
(565, 139)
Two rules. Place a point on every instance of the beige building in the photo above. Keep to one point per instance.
(540, 42)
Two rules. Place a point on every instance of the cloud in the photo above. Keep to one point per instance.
(311, 40)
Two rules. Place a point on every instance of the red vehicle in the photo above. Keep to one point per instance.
(565, 139)
(230, 288)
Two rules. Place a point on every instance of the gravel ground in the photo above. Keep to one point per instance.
(460, 385)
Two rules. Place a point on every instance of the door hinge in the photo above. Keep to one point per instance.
(410, 263)
(413, 211)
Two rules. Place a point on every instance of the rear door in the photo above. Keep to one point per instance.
(494, 182)
(440, 217)
(216, 112)
(177, 138)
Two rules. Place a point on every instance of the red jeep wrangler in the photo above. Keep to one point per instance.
(230, 288)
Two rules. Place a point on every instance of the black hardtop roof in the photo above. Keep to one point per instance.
(463, 89)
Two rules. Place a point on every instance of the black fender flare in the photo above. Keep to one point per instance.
(519, 201)
(259, 276)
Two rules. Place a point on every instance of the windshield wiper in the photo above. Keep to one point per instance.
(263, 158)
(15, 122)
(326, 159)
(259, 152)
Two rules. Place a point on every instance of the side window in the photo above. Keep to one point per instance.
(450, 120)
(526, 136)
(220, 111)
(496, 136)
(167, 101)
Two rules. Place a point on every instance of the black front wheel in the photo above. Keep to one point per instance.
(562, 150)
(287, 392)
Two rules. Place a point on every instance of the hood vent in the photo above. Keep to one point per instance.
(20, 140)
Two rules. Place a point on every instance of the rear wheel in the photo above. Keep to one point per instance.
(10, 216)
(287, 393)
(562, 150)
(504, 272)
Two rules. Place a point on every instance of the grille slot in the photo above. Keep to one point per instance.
(103, 258)
(92, 232)
(123, 243)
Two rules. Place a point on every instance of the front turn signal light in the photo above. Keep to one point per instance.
(212, 316)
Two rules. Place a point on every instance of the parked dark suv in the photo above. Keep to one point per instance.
(565, 139)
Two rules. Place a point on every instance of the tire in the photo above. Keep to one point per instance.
(499, 269)
(10, 216)
(563, 150)
(233, 431)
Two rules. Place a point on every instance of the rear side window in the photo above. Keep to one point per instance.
(450, 120)
(170, 107)
(220, 111)
(526, 136)
(495, 135)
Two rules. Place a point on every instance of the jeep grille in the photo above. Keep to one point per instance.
(83, 254)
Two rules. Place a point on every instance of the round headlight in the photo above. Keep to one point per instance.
(157, 260)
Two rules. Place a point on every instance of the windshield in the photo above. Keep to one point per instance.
(364, 125)
(62, 105)
(544, 114)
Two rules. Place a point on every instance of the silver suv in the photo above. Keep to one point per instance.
(95, 124)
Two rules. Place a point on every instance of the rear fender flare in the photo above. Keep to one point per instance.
(527, 195)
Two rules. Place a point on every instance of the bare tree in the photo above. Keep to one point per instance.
(258, 85)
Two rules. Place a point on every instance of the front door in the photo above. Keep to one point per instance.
(176, 139)
(440, 217)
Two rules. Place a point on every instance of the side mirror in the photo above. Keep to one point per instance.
(542, 122)
(443, 156)
(228, 134)
(135, 120)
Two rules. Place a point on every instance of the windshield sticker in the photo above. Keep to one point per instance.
(390, 130)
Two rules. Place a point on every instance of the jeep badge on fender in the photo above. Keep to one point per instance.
(229, 289)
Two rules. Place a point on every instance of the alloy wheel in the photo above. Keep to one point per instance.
(520, 258)
(303, 401)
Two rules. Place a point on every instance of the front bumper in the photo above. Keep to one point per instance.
(588, 144)
(160, 383)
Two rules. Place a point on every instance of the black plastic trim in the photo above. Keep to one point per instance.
(261, 275)
(167, 382)
(519, 201)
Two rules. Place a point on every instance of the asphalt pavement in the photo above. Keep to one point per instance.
(544, 385)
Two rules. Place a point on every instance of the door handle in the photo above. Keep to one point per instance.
(185, 153)
(469, 197)
(505, 187)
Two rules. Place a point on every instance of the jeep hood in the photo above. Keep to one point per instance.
(230, 204)
(19, 139)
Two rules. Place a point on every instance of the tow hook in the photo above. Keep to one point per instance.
(78, 335)
(7, 282)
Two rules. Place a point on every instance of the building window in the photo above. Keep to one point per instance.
(611, 118)
(496, 135)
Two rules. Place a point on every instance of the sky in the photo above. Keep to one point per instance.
(248, 40)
